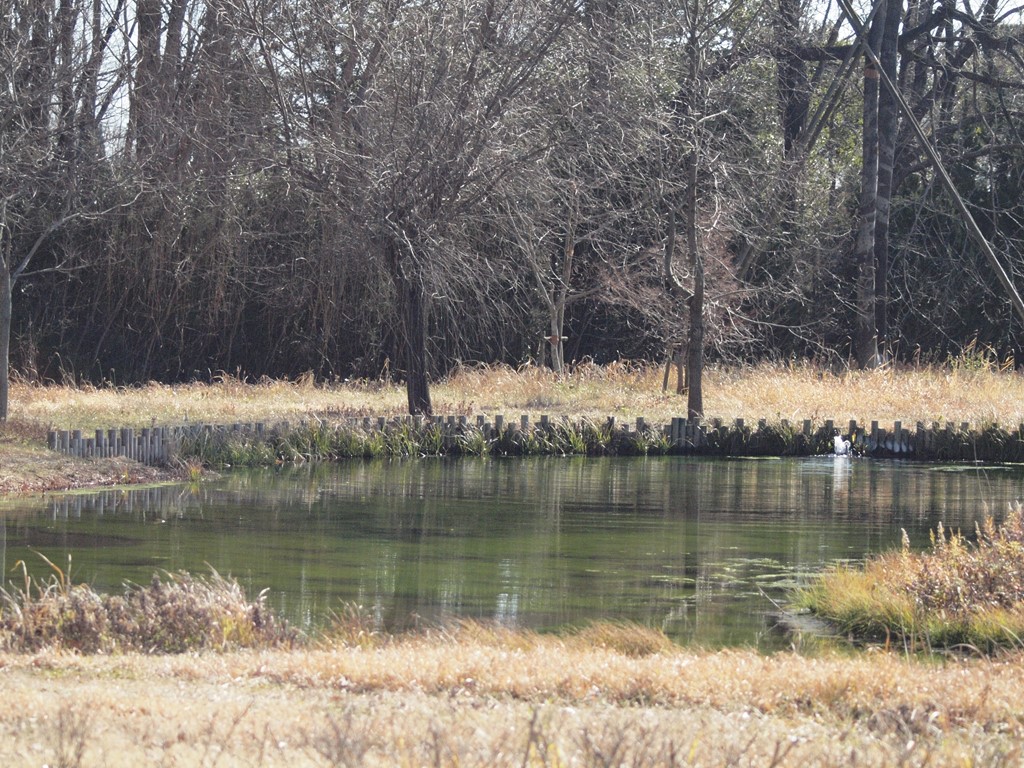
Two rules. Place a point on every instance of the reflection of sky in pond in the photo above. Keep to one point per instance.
(699, 548)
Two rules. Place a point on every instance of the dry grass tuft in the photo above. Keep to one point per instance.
(957, 593)
(177, 614)
(352, 626)
(21, 431)
(627, 638)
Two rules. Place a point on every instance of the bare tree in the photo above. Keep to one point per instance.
(39, 70)
(402, 120)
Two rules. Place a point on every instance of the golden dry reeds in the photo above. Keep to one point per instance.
(959, 593)
(978, 394)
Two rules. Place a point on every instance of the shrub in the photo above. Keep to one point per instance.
(958, 592)
(173, 614)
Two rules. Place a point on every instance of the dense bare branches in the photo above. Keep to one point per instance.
(276, 186)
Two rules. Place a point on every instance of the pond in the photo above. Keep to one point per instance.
(701, 548)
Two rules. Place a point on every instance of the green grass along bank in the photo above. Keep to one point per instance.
(255, 444)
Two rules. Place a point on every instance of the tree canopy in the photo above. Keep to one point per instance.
(394, 187)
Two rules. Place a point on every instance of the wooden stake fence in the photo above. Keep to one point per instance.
(947, 441)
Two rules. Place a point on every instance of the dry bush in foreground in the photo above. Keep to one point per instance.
(476, 697)
(172, 615)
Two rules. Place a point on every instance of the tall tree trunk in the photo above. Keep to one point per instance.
(695, 344)
(412, 319)
(555, 345)
(887, 133)
(144, 112)
(679, 293)
(414, 332)
(67, 14)
(561, 291)
(865, 339)
(791, 77)
(5, 333)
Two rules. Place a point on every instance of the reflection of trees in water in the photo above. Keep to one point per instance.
(669, 541)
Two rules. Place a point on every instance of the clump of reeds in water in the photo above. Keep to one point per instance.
(173, 614)
(958, 593)
(321, 441)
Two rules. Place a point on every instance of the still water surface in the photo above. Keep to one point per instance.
(698, 547)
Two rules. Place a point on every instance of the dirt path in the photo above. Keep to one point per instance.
(28, 469)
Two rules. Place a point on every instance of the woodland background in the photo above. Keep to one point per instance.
(375, 188)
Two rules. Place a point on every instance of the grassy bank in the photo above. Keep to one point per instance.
(961, 593)
(969, 389)
(245, 691)
(27, 465)
(466, 695)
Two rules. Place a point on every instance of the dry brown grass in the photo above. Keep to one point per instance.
(175, 613)
(29, 468)
(485, 696)
(958, 593)
(978, 393)
(481, 698)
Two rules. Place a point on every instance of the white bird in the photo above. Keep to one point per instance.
(840, 447)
